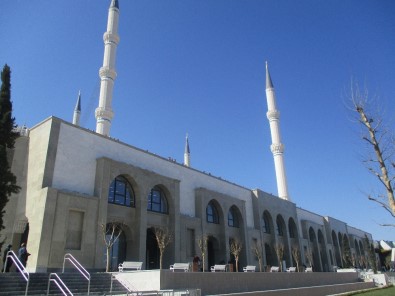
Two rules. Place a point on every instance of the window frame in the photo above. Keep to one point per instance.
(266, 224)
(126, 194)
(157, 203)
(213, 213)
(233, 221)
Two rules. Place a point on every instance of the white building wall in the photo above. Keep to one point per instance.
(308, 216)
(75, 168)
(356, 232)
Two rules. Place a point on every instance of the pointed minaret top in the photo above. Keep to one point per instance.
(269, 83)
(187, 150)
(78, 105)
(187, 154)
(114, 3)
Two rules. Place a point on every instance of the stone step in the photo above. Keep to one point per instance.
(12, 284)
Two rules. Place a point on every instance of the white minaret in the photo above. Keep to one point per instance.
(277, 147)
(187, 153)
(77, 110)
(107, 73)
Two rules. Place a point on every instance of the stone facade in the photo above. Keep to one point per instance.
(67, 174)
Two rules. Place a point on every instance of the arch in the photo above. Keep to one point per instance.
(315, 260)
(157, 200)
(337, 250)
(271, 258)
(212, 214)
(121, 192)
(234, 217)
(117, 253)
(361, 248)
(281, 227)
(152, 254)
(340, 238)
(322, 249)
(293, 231)
(331, 257)
(213, 251)
(267, 223)
(346, 251)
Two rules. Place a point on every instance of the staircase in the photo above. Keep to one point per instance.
(13, 284)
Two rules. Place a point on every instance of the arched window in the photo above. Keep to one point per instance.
(292, 228)
(266, 224)
(280, 230)
(121, 192)
(157, 201)
(233, 220)
(212, 213)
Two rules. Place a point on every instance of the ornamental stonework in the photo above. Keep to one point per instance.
(107, 72)
(273, 115)
(110, 38)
(277, 148)
(103, 113)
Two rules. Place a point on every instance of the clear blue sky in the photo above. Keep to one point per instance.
(198, 67)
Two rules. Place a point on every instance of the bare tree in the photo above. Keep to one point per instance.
(202, 244)
(309, 256)
(380, 141)
(346, 253)
(296, 255)
(111, 232)
(279, 248)
(371, 256)
(362, 261)
(163, 237)
(257, 251)
(235, 249)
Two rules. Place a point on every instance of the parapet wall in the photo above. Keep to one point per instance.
(212, 283)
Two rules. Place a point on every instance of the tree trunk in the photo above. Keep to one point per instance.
(108, 259)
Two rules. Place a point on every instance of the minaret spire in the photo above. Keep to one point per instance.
(77, 110)
(187, 153)
(277, 147)
(107, 73)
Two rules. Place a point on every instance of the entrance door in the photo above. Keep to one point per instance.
(117, 252)
(210, 253)
(152, 251)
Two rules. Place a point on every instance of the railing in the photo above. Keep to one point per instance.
(59, 283)
(113, 276)
(19, 266)
(79, 267)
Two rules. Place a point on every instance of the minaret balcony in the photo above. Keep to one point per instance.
(277, 148)
(273, 115)
(109, 37)
(106, 72)
(103, 113)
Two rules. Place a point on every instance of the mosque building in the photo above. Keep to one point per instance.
(74, 180)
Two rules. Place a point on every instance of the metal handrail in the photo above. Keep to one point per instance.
(18, 264)
(79, 267)
(113, 276)
(59, 283)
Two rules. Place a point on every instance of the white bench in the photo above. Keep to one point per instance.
(218, 267)
(132, 265)
(274, 269)
(309, 269)
(180, 266)
(249, 268)
(291, 269)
